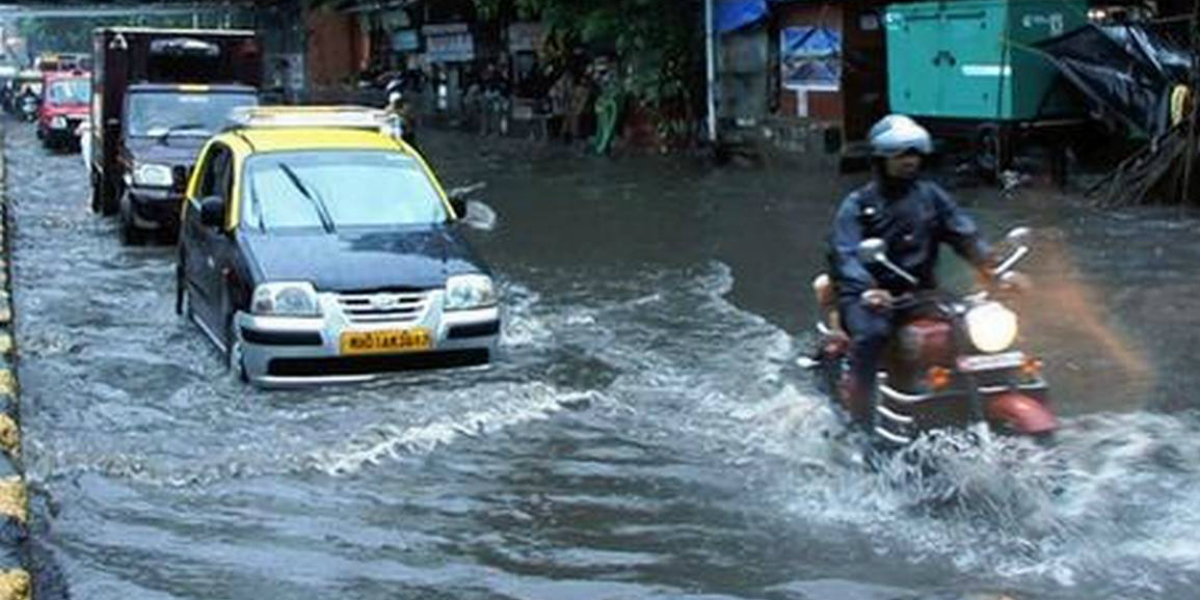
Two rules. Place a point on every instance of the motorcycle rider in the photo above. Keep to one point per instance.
(914, 217)
(28, 103)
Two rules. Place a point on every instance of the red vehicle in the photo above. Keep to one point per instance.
(66, 103)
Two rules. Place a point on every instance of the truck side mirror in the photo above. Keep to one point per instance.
(212, 212)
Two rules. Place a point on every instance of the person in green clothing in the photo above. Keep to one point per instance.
(608, 107)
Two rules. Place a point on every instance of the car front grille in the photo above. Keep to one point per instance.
(385, 307)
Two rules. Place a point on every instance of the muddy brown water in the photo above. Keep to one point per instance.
(645, 434)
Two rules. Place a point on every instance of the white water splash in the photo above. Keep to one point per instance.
(512, 405)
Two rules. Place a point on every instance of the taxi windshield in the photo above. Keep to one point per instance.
(159, 114)
(69, 92)
(335, 190)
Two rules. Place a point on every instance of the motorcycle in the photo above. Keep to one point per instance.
(953, 364)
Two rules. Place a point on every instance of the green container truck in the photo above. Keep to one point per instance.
(972, 59)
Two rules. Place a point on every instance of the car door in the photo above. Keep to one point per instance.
(204, 242)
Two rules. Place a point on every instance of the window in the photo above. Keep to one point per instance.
(153, 114)
(338, 190)
(65, 92)
(217, 180)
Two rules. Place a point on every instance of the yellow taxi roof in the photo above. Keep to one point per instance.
(312, 138)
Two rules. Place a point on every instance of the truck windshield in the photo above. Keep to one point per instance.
(157, 114)
(335, 190)
(66, 92)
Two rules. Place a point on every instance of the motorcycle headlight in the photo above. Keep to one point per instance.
(286, 300)
(469, 292)
(153, 175)
(58, 123)
(992, 327)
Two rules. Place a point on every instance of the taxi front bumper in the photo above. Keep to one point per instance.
(285, 351)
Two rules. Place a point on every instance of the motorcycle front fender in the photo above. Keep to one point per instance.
(1022, 414)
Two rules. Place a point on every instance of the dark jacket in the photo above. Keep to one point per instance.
(914, 218)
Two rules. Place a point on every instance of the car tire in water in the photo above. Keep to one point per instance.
(183, 297)
(130, 234)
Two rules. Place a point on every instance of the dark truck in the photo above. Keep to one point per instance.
(158, 95)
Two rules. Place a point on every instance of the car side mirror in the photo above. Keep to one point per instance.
(212, 212)
(459, 204)
(459, 198)
(872, 250)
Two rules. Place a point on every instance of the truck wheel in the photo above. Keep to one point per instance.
(130, 234)
(110, 199)
(97, 195)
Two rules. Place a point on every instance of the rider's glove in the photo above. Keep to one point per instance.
(877, 299)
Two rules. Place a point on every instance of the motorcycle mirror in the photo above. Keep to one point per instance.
(872, 250)
(1019, 236)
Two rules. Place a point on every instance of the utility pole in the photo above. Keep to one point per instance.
(710, 30)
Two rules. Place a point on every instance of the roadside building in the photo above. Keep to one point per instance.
(807, 75)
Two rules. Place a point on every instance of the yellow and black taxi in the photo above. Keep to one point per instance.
(315, 247)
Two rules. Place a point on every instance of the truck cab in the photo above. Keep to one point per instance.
(158, 95)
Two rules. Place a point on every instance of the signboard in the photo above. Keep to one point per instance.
(449, 43)
(811, 58)
(406, 40)
(526, 37)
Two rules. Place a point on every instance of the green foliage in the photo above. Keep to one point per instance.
(658, 43)
(74, 34)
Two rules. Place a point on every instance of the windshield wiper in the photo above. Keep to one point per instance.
(182, 127)
(313, 197)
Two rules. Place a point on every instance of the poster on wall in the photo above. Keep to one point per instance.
(406, 40)
(449, 43)
(811, 58)
(526, 37)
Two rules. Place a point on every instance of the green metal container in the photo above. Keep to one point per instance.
(971, 59)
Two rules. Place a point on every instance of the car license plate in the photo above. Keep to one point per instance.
(994, 362)
(386, 342)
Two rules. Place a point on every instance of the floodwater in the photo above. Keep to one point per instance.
(645, 435)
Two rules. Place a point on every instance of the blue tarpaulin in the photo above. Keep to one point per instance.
(732, 15)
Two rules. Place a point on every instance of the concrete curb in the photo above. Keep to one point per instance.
(15, 583)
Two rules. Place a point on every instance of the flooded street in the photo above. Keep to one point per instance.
(646, 433)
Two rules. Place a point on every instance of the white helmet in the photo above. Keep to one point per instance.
(395, 98)
(894, 135)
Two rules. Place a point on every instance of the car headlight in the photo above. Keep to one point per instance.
(469, 292)
(58, 123)
(992, 327)
(286, 300)
(153, 175)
